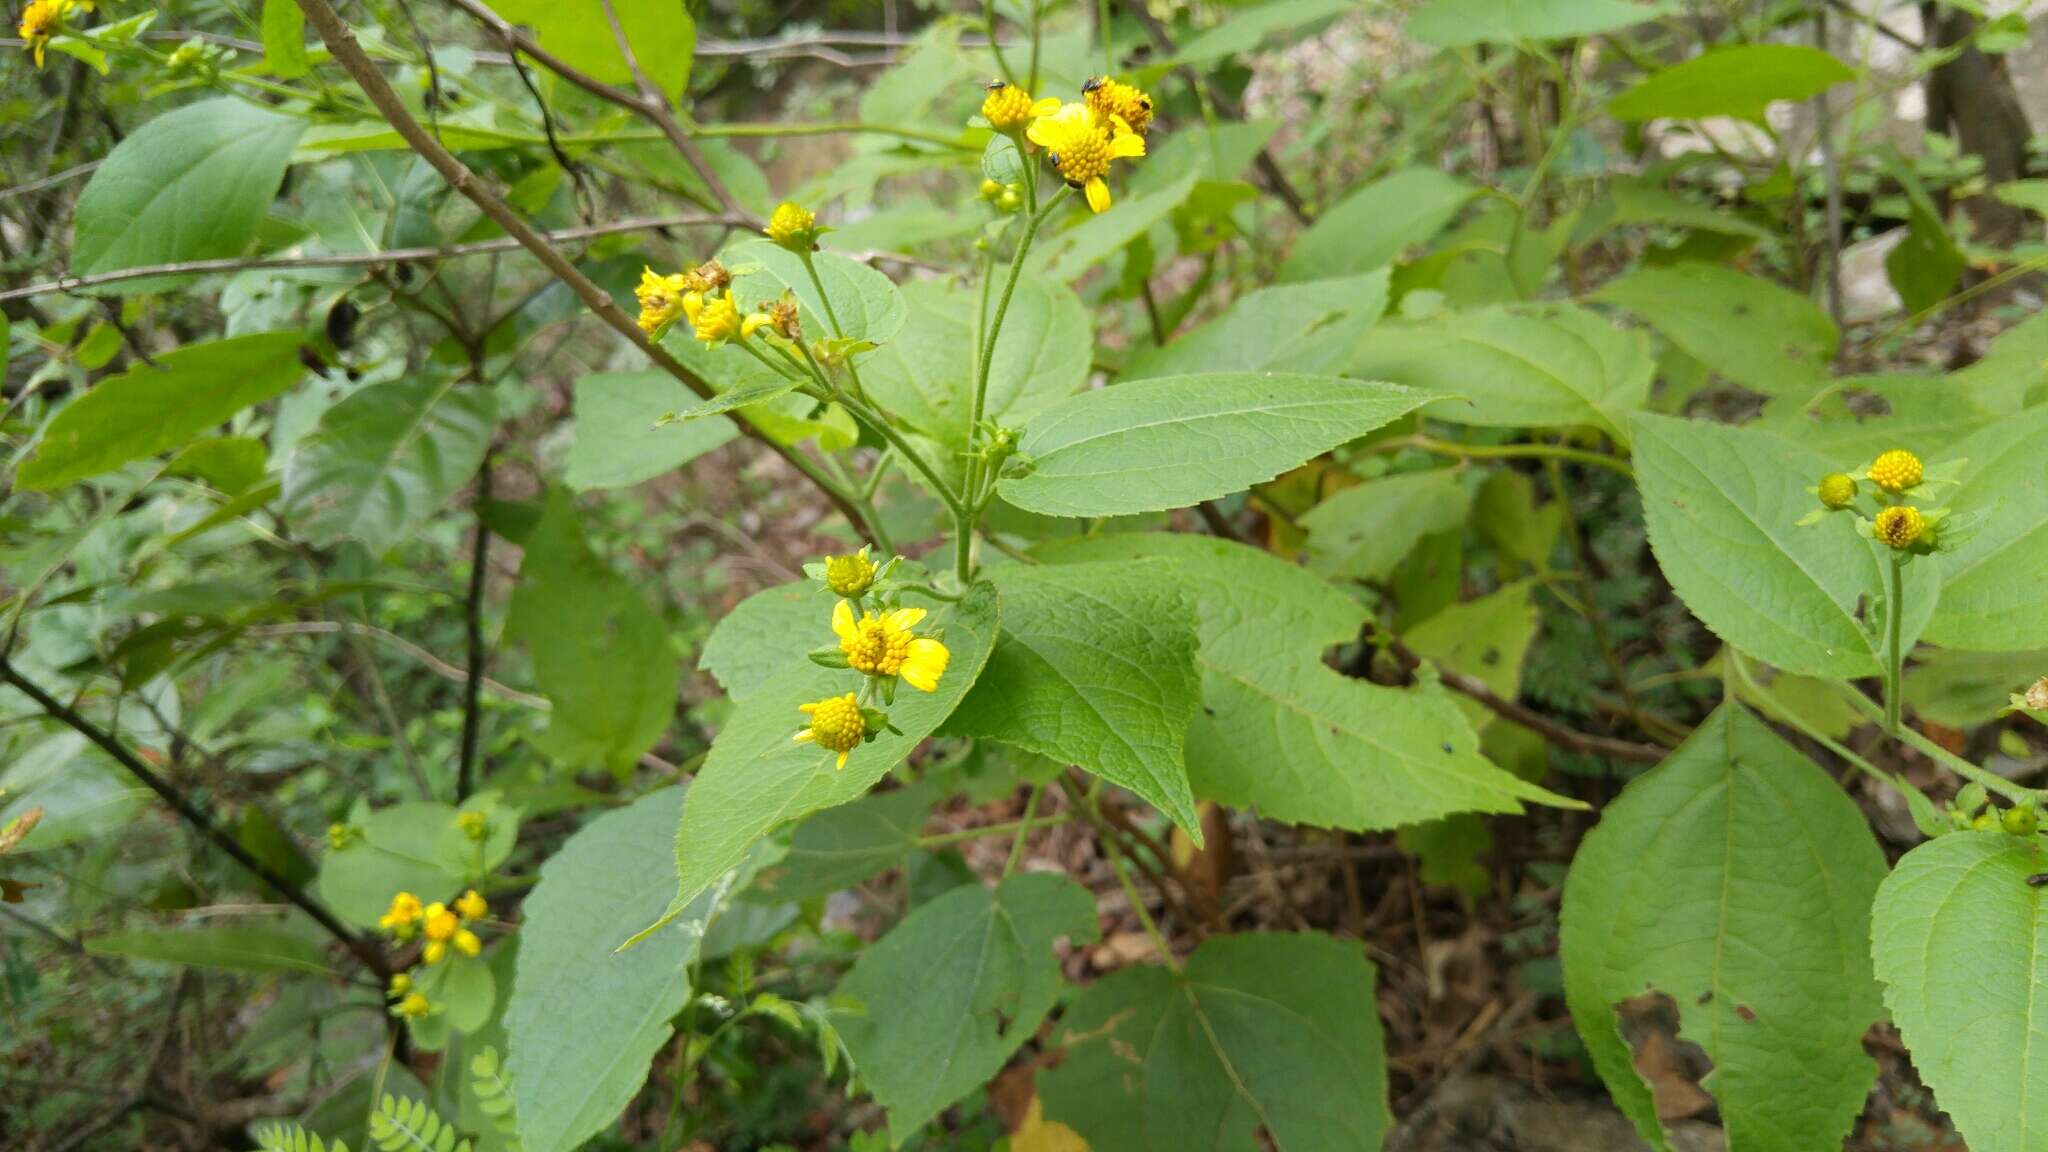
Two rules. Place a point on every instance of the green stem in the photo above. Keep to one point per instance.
(828, 128)
(831, 317)
(1893, 657)
(1023, 828)
(1510, 452)
(886, 431)
(1014, 827)
(1991, 781)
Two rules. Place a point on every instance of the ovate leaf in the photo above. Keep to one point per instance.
(1756, 333)
(1096, 668)
(1308, 327)
(1992, 597)
(766, 631)
(1362, 533)
(600, 655)
(387, 458)
(284, 39)
(1373, 225)
(956, 988)
(1259, 1033)
(618, 443)
(1740, 81)
(1723, 506)
(1960, 939)
(865, 302)
(1168, 443)
(840, 847)
(191, 184)
(147, 410)
(395, 852)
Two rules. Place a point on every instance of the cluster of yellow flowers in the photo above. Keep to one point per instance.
(1897, 525)
(444, 926)
(1080, 140)
(703, 295)
(43, 19)
(880, 644)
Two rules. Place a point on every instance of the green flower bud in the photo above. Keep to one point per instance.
(2021, 820)
(850, 576)
(1837, 490)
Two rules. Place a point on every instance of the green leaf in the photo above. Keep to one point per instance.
(1735, 878)
(1310, 327)
(284, 39)
(662, 35)
(1858, 417)
(231, 947)
(752, 392)
(1961, 942)
(576, 1059)
(617, 441)
(1637, 201)
(2014, 373)
(1966, 689)
(1992, 597)
(926, 376)
(232, 464)
(1756, 333)
(1247, 27)
(765, 632)
(1723, 506)
(82, 794)
(386, 458)
(1096, 668)
(190, 184)
(841, 847)
(1486, 638)
(1560, 366)
(956, 988)
(1740, 81)
(147, 410)
(866, 302)
(1361, 533)
(1283, 733)
(1925, 267)
(1065, 256)
(1457, 23)
(1377, 222)
(1168, 443)
(395, 853)
(1260, 1033)
(600, 655)
(756, 778)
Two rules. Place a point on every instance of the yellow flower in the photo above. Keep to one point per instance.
(1113, 101)
(438, 922)
(402, 915)
(466, 942)
(414, 1006)
(472, 906)
(850, 576)
(1008, 107)
(1837, 490)
(661, 300)
(1895, 471)
(1079, 144)
(1900, 527)
(836, 725)
(883, 646)
(793, 227)
(717, 319)
(40, 21)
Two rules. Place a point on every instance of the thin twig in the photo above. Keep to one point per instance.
(433, 663)
(1529, 718)
(655, 107)
(473, 614)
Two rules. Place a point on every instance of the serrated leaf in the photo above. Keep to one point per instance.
(600, 655)
(617, 442)
(765, 632)
(1168, 443)
(1992, 596)
(1560, 366)
(756, 779)
(231, 947)
(386, 458)
(1096, 668)
(956, 988)
(1723, 506)
(1362, 533)
(1754, 332)
(1738, 81)
(1280, 731)
(1457, 23)
(190, 184)
(1308, 327)
(147, 410)
(1736, 878)
(1260, 1033)
(866, 302)
(1375, 223)
(741, 396)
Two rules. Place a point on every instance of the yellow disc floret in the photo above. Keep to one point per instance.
(661, 299)
(1116, 102)
(837, 725)
(466, 942)
(401, 983)
(1008, 107)
(1837, 490)
(40, 21)
(793, 227)
(414, 1006)
(402, 915)
(850, 576)
(884, 646)
(1080, 144)
(1896, 471)
(715, 320)
(472, 906)
(1900, 527)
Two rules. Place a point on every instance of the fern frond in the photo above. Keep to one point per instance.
(407, 1125)
(285, 1136)
(493, 1091)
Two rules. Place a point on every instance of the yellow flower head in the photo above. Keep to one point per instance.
(836, 725)
(1900, 527)
(1113, 101)
(466, 942)
(1837, 490)
(884, 646)
(661, 299)
(1008, 107)
(414, 1006)
(402, 915)
(401, 983)
(472, 906)
(1895, 471)
(40, 21)
(850, 576)
(439, 923)
(474, 825)
(793, 227)
(715, 319)
(1080, 144)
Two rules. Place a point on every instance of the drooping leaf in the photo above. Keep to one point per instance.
(147, 410)
(1308, 327)
(1457, 23)
(662, 35)
(386, 459)
(1259, 1033)
(1281, 732)
(1735, 878)
(1362, 533)
(1986, 602)
(618, 443)
(232, 947)
(1168, 443)
(1739, 81)
(190, 184)
(1925, 266)
(956, 988)
(1373, 225)
(1754, 332)
(1096, 668)
(1723, 506)
(600, 655)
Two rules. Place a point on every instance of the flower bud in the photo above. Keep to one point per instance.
(793, 227)
(340, 836)
(850, 576)
(1837, 490)
(2021, 820)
